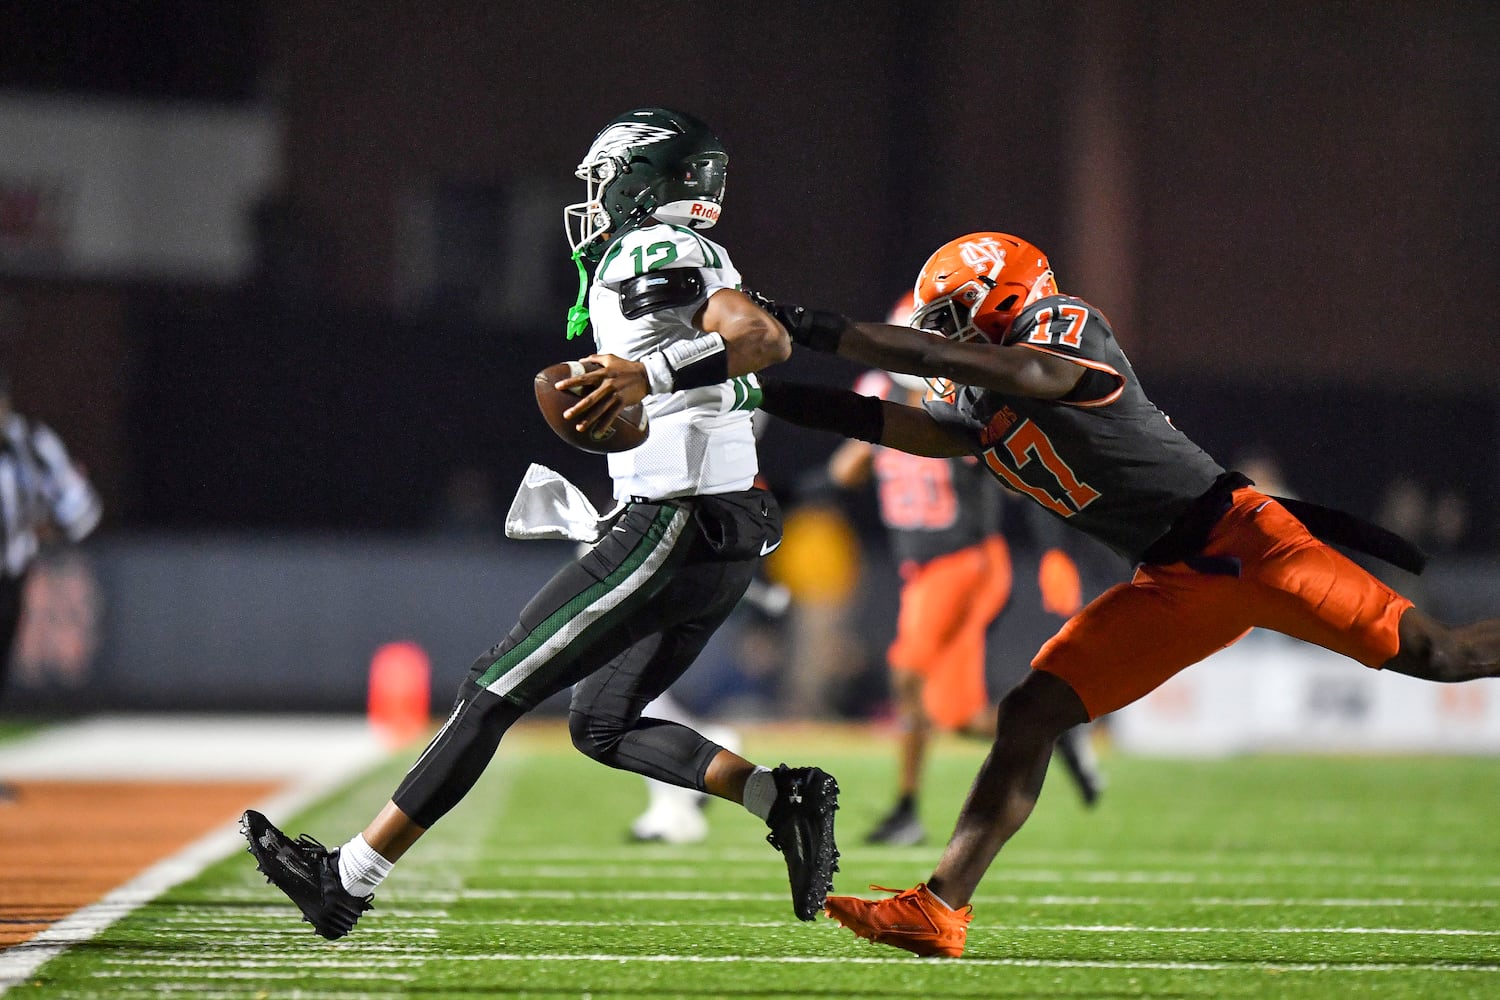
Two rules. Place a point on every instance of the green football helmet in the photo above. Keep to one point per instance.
(647, 163)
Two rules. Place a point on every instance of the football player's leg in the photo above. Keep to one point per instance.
(797, 804)
(924, 623)
(580, 620)
(576, 622)
(1316, 593)
(673, 814)
(945, 607)
(1030, 719)
(606, 715)
(977, 589)
(1076, 750)
(901, 825)
(1436, 652)
(1307, 589)
(1118, 648)
(932, 918)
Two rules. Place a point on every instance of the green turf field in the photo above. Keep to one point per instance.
(1249, 877)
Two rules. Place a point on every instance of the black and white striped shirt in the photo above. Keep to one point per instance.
(39, 484)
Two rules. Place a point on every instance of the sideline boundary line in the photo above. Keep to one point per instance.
(19, 962)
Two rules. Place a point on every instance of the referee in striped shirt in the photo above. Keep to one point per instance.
(43, 497)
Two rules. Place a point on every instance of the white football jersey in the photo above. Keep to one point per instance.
(699, 441)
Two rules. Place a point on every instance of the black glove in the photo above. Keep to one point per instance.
(815, 329)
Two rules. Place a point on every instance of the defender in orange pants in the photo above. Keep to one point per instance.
(941, 516)
(1049, 402)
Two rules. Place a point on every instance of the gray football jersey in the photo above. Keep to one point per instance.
(1110, 464)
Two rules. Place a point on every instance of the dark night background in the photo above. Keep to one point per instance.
(1288, 210)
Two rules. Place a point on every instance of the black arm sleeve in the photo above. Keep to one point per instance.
(824, 408)
(817, 329)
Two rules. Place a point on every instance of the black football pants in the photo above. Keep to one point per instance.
(621, 623)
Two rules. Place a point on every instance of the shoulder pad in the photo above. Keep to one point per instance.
(658, 290)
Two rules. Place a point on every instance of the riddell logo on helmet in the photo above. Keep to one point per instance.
(705, 210)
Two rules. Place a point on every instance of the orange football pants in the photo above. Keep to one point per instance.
(947, 605)
(1135, 636)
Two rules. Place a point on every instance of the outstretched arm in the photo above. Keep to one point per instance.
(1013, 370)
(879, 421)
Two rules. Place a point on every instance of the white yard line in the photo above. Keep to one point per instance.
(1035, 963)
(315, 755)
(409, 896)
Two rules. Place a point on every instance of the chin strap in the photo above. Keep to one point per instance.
(578, 314)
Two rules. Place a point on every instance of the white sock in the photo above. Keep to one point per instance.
(361, 868)
(940, 899)
(760, 792)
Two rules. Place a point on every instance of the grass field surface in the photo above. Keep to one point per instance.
(1262, 876)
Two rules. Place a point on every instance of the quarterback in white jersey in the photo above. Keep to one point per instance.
(623, 621)
(695, 445)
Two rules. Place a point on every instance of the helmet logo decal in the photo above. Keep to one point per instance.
(614, 140)
(986, 256)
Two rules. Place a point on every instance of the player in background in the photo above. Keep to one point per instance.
(1050, 403)
(942, 521)
(623, 621)
(942, 517)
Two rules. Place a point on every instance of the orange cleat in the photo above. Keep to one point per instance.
(913, 919)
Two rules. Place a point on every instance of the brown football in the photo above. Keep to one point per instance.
(627, 430)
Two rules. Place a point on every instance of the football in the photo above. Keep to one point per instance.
(627, 430)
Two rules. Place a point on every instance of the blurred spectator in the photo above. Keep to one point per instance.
(44, 498)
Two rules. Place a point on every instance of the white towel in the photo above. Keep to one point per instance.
(548, 506)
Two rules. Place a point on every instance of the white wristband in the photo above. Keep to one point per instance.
(658, 372)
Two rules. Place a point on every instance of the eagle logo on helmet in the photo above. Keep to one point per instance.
(616, 139)
(647, 163)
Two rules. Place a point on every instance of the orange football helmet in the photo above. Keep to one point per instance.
(976, 285)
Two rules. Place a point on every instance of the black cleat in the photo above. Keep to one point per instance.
(901, 827)
(801, 823)
(308, 873)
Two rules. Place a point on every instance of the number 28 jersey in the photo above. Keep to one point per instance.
(1108, 461)
(930, 507)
